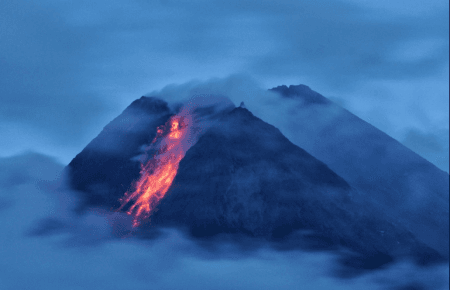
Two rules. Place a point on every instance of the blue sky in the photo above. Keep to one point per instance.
(67, 68)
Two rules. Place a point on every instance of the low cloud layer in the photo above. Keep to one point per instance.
(45, 245)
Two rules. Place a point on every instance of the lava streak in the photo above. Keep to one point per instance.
(158, 173)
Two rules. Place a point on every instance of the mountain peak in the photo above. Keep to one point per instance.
(301, 91)
(150, 105)
(241, 111)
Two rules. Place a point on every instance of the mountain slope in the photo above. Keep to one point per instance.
(103, 170)
(402, 184)
(244, 172)
(244, 176)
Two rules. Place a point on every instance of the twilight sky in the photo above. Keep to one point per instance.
(68, 67)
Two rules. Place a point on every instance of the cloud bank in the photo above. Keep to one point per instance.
(45, 245)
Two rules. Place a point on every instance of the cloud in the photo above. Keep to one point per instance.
(399, 107)
(68, 68)
(46, 104)
(339, 42)
(87, 255)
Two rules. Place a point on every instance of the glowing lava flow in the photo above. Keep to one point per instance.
(159, 172)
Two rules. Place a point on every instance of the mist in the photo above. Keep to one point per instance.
(46, 245)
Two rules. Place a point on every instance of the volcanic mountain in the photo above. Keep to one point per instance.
(242, 176)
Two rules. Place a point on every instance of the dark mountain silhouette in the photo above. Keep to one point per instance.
(402, 184)
(244, 178)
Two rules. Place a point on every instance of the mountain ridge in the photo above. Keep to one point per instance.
(402, 183)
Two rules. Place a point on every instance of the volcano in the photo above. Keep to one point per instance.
(241, 177)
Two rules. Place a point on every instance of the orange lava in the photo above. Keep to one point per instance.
(159, 172)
